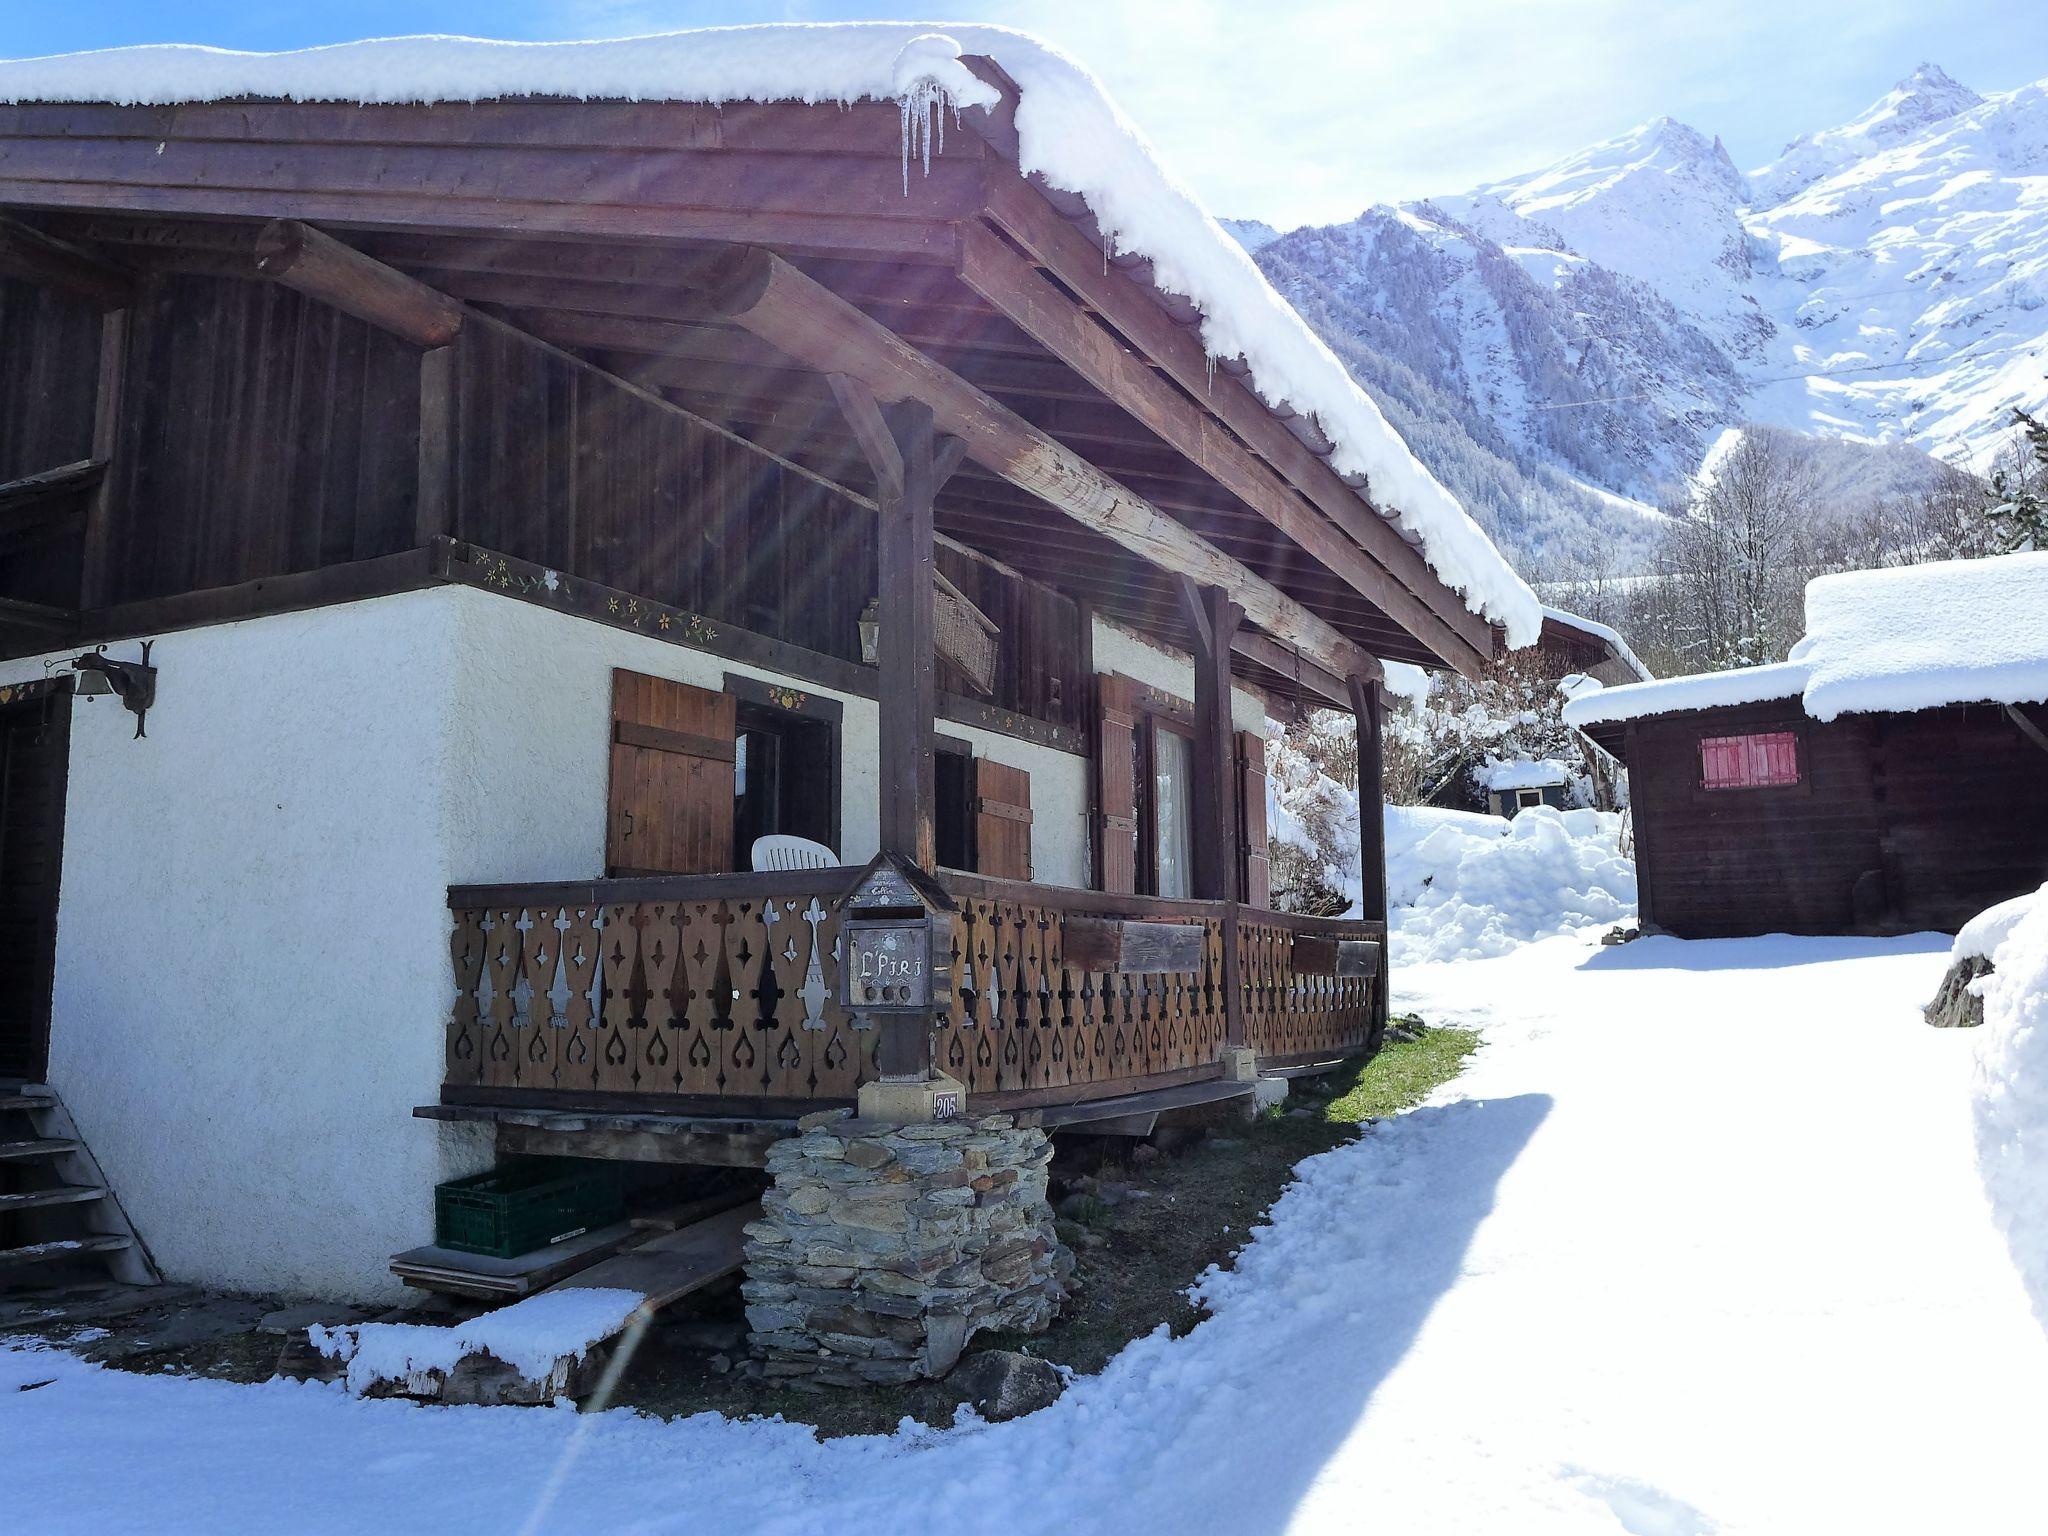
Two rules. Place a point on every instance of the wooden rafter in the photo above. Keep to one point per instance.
(995, 270)
(767, 296)
(35, 257)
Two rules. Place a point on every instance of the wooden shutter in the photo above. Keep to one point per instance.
(1002, 820)
(1116, 787)
(672, 796)
(1255, 887)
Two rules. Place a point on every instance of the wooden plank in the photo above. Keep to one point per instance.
(1316, 955)
(995, 271)
(697, 1149)
(51, 482)
(35, 257)
(773, 300)
(1133, 945)
(684, 743)
(108, 392)
(669, 1267)
(431, 1267)
(434, 513)
(1151, 1102)
(831, 234)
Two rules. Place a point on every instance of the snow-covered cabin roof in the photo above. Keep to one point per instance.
(1524, 773)
(1604, 633)
(1069, 133)
(1885, 641)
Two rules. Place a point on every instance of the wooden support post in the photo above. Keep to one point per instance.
(909, 680)
(435, 508)
(1214, 618)
(1368, 708)
(93, 583)
(321, 267)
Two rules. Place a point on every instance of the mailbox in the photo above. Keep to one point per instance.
(898, 944)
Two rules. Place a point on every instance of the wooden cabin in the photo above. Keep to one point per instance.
(1570, 645)
(497, 517)
(1891, 778)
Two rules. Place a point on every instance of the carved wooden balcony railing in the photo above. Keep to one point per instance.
(1297, 1011)
(720, 994)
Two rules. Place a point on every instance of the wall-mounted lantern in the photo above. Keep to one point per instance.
(132, 682)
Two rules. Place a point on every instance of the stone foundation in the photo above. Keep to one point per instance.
(883, 1248)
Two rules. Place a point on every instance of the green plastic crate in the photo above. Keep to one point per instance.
(526, 1205)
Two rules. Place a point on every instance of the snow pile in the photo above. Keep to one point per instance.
(1982, 934)
(1068, 131)
(533, 1336)
(1462, 886)
(1893, 640)
(2012, 1085)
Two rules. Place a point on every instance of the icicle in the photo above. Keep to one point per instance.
(928, 81)
(924, 122)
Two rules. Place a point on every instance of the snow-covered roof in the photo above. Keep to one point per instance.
(1671, 695)
(1885, 641)
(1524, 773)
(1599, 631)
(1069, 132)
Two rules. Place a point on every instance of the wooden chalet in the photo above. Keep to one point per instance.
(1890, 779)
(532, 503)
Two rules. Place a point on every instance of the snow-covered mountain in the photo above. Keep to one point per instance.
(1560, 345)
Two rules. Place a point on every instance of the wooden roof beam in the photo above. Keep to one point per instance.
(992, 268)
(322, 268)
(767, 296)
(35, 257)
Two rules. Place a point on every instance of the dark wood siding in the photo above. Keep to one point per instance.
(264, 434)
(261, 434)
(49, 368)
(1900, 822)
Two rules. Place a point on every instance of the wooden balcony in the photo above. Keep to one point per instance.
(718, 995)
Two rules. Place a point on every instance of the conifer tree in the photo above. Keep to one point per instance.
(2018, 513)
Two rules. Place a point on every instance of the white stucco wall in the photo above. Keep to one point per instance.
(252, 944)
(252, 961)
(1118, 650)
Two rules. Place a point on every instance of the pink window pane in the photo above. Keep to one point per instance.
(1758, 761)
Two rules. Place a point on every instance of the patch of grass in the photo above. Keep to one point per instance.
(1404, 1073)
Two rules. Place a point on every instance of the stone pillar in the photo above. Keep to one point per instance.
(883, 1248)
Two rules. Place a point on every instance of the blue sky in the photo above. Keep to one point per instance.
(1290, 110)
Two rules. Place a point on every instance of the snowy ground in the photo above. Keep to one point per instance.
(1698, 1245)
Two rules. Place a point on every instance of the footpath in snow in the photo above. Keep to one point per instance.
(1697, 1245)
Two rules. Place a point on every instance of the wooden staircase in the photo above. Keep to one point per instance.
(59, 1222)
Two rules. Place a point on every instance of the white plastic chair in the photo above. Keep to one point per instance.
(779, 850)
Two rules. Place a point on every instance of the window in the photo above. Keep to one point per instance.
(1763, 760)
(953, 803)
(1172, 790)
(783, 779)
(1524, 798)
